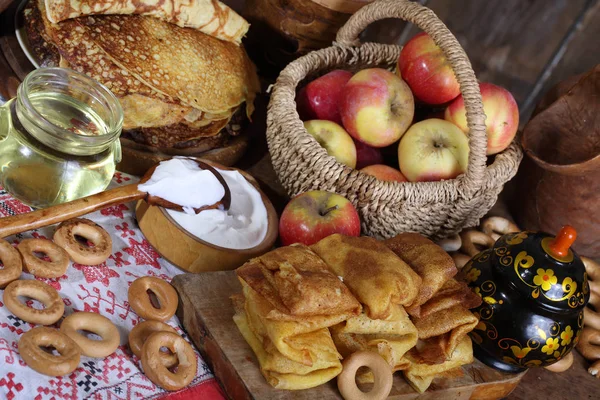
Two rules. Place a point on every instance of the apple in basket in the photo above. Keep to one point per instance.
(384, 173)
(502, 116)
(423, 65)
(432, 150)
(311, 216)
(334, 139)
(376, 107)
(367, 155)
(320, 98)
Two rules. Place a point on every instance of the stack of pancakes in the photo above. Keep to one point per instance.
(182, 91)
(303, 308)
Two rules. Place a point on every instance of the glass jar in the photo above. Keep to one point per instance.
(59, 138)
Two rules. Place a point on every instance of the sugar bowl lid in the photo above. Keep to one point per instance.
(543, 268)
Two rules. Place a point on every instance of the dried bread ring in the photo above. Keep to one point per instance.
(382, 374)
(452, 243)
(460, 259)
(139, 298)
(472, 238)
(589, 347)
(153, 365)
(140, 333)
(495, 227)
(562, 365)
(592, 316)
(30, 348)
(97, 324)
(13, 266)
(40, 291)
(38, 267)
(65, 237)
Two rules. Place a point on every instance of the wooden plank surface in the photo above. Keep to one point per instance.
(206, 312)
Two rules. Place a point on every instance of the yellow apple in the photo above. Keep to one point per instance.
(334, 139)
(432, 150)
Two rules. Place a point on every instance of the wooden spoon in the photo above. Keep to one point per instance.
(85, 205)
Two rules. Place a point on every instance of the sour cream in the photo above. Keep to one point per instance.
(243, 226)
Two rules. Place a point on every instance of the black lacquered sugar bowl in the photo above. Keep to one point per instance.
(534, 289)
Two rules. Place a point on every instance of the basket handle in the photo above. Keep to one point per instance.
(426, 19)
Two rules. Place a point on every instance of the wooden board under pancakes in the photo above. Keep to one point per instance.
(206, 313)
(15, 65)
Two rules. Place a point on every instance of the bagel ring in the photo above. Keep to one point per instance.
(40, 291)
(157, 372)
(140, 333)
(495, 227)
(589, 347)
(38, 267)
(139, 299)
(80, 253)
(471, 238)
(30, 348)
(460, 259)
(97, 324)
(13, 266)
(592, 316)
(452, 243)
(379, 367)
(562, 365)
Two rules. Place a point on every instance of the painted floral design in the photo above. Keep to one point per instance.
(551, 346)
(473, 274)
(566, 336)
(545, 279)
(520, 352)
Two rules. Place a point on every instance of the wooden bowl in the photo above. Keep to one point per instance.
(189, 252)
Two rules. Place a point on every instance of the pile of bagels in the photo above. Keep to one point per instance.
(57, 352)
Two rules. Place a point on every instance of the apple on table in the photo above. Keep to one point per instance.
(334, 139)
(320, 98)
(432, 150)
(312, 216)
(377, 107)
(425, 68)
(502, 116)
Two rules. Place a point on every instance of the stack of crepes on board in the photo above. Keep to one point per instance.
(177, 66)
(304, 308)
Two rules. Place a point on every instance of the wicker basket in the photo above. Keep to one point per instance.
(435, 209)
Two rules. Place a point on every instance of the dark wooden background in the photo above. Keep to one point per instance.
(526, 46)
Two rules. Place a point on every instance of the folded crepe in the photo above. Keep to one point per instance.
(391, 337)
(419, 374)
(208, 16)
(442, 331)
(428, 260)
(281, 372)
(296, 282)
(374, 274)
(453, 293)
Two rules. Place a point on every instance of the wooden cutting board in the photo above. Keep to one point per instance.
(206, 313)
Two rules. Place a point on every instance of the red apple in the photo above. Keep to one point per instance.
(502, 116)
(384, 173)
(313, 215)
(320, 98)
(432, 150)
(377, 107)
(367, 155)
(423, 65)
(334, 139)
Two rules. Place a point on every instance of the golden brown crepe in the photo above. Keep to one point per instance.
(451, 294)
(208, 16)
(420, 374)
(374, 274)
(445, 329)
(295, 281)
(283, 373)
(428, 260)
(391, 337)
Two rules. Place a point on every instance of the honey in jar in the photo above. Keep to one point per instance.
(59, 138)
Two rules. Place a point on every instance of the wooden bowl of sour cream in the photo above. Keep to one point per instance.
(225, 246)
